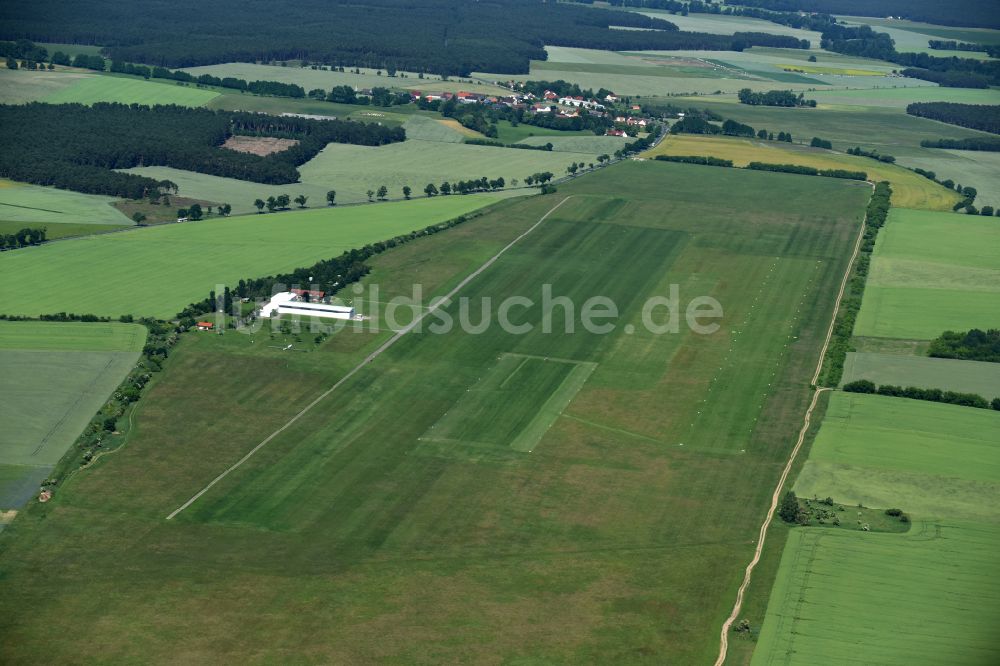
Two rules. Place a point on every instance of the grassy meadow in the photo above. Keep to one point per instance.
(33, 205)
(134, 273)
(941, 465)
(356, 530)
(130, 90)
(56, 230)
(931, 272)
(944, 373)
(53, 377)
(18, 86)
(353, 170)
(908, 188)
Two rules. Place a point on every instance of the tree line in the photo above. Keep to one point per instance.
(79, 151)
(274, 88)
(971, 13)
(808, 170)
(22, 238)
(698, 124)
(983, 117)
(951, 45)
(450, 37)
(850, 305)
(973, 345)
(792, 19)
(968, 143)
(916, 393)
(774, 98)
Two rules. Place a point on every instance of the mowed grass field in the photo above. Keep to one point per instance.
(53, 377)
(129, 90)
(908, 189)
(948, 374)
(932, 272)
(357, 537)
(156, 271)
(32, 205)
(939, 463)
(353, 170)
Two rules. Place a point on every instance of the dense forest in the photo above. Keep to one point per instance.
(78, 152)
(971, 13)
(983, 117)
(442, 36)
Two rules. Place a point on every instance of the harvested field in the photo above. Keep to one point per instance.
(259, 145)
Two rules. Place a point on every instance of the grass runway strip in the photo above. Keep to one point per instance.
(368, 359)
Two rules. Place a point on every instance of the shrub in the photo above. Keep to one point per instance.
(860, 386)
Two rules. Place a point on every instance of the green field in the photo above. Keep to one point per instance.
(55, 230)
(944, 373)
(932, 272)
(53, 377)
(876, 119)
(18, 86)
(900, 97)
(353, 170)
(128, 90)
(608, 542)
(134, 273)
(908, 188)
(587, 145)
(941, 464)
(29, 205)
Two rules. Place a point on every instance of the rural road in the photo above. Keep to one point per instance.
(762, 535)
(368, 359)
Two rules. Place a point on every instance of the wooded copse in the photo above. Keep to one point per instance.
(77, 151)
(984, 117)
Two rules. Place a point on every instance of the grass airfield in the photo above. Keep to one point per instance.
(355, 528)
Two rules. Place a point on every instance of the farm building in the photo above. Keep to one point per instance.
(205, 326)
(290, 303)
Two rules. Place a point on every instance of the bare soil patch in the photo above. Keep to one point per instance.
(259, 145)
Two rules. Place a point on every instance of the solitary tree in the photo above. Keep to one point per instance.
(371, 193)
(789, 509)
(430, 190)
(139, 218)
(331, 198)
(406, 191)
(301, 200)
(225, 209)
(259, 203)
(383, 192)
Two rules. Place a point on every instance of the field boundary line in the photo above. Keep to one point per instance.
(368, 359)
(806, 422)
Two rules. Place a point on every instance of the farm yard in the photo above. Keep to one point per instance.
(940, 464)
(56, 376)
(348, 503)
(931, 272)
